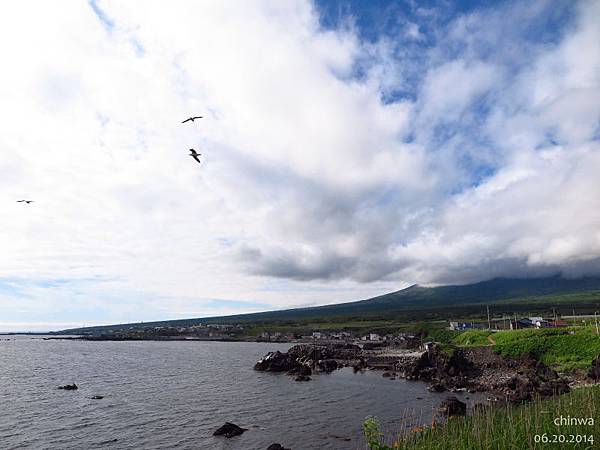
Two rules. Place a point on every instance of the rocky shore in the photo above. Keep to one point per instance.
(477, 369)
(303, 359)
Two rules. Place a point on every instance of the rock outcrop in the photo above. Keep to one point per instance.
(303, 378)
(480, 369)
(277, 447)
(302, 359)
(229, 430)
(594, 372)
(452, 406)
(466, 369)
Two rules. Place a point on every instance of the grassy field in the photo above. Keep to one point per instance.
(530, 426)
(472, 338)
(563, 349)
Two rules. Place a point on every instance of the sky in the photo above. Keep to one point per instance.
(349, 149)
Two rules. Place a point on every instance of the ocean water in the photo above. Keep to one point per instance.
(161, 395)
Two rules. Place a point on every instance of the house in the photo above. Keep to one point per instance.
(317, 335)
(374, 337)
(521, 324)
(539, 322)
(454, 326)
(558, 323)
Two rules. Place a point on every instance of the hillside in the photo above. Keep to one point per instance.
(500, 291)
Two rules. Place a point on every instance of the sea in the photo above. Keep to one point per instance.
(175, 394)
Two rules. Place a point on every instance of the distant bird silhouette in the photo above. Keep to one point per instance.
(192, 119)
(26, 201)
(194, 154)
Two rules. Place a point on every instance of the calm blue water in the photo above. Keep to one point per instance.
(162, 395)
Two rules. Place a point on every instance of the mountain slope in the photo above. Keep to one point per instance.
(411, 298)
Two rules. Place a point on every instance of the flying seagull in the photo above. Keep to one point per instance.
(194, 154)
(192, 119)
(26, 201)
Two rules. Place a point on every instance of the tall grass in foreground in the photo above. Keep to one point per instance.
(511, 427)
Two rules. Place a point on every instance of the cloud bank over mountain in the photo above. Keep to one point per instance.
(344, 154)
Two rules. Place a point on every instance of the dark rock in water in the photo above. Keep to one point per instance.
(386, 375)
(303, 378)
(97, 397)
(275, 362)
(594, 372)
(361, 365)
(277, 447)
(301, 357)
(69, 387)
(229, 430)
(453, 407)
(300, 370)
(328, 365)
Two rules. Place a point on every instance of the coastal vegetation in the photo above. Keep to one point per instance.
(562, 422)
(563, 349)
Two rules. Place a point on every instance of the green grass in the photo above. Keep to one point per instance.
(510, 428)
(563, 349)
(472, 338)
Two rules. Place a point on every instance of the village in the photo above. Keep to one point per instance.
(408, 340)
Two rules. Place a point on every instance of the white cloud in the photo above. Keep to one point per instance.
(307, 174)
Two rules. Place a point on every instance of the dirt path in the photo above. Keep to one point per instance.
(491, 339)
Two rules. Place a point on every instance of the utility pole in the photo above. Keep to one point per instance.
(489, 322)
(554, 311)
(596, 319)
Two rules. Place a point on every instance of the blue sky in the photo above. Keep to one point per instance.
(349, 149)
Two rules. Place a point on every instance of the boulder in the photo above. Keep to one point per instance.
(328, 365)
(303, 378)
(69, 387)
(299, 358)
(452, 406)
(276, 362)
(300, 370)
(594, 372)
(229, 430)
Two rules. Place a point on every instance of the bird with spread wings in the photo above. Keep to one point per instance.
(194, 154)
(192, 119)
